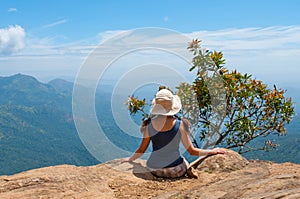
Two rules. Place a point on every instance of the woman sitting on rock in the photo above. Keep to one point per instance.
(165, 131)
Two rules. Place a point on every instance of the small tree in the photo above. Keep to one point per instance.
(228, 108)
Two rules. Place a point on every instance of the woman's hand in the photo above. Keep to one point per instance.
(218, 151)
(124, 160)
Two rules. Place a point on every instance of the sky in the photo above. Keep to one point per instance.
(54, 38)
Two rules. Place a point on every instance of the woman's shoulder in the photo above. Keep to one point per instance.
(185, 124)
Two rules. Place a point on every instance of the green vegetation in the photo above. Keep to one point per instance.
(36, 127)
(286, 151)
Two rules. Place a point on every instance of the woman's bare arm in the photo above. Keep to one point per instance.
(185, 139)
(142, 148)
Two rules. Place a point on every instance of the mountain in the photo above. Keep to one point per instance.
(25, 90)
(61, 86)
(287, 150)
(36, 125)
(221, 176)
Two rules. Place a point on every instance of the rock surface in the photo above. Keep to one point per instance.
(219, 176)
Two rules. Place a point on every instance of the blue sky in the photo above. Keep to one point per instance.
(79, 19)
(53, 38)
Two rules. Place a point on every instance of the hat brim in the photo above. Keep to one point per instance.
(158, 109)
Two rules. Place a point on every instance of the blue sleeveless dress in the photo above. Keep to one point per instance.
(165, 147)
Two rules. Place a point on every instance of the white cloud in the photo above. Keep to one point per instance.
(270, 53)
(12, 39)
(102, 36)
(12, 10)
(55, 23)
(269, 39)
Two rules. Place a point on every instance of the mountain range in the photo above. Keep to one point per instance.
(37, 127)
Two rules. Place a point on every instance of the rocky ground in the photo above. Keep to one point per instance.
(219, 176)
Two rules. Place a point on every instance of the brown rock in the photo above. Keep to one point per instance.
(219, 176)
(231, 161)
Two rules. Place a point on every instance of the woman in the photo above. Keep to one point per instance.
(165, 131)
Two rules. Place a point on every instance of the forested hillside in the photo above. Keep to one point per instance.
(288, 145)
(37, 127)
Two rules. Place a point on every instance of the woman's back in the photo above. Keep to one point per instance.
(165, 136)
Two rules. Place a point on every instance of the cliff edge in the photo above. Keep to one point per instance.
(219, 176)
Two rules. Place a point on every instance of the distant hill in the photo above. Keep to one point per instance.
(36, 125)
(25, 90)
(287, 151)
(61, 86)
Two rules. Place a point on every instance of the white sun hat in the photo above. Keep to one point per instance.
(165, 103)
